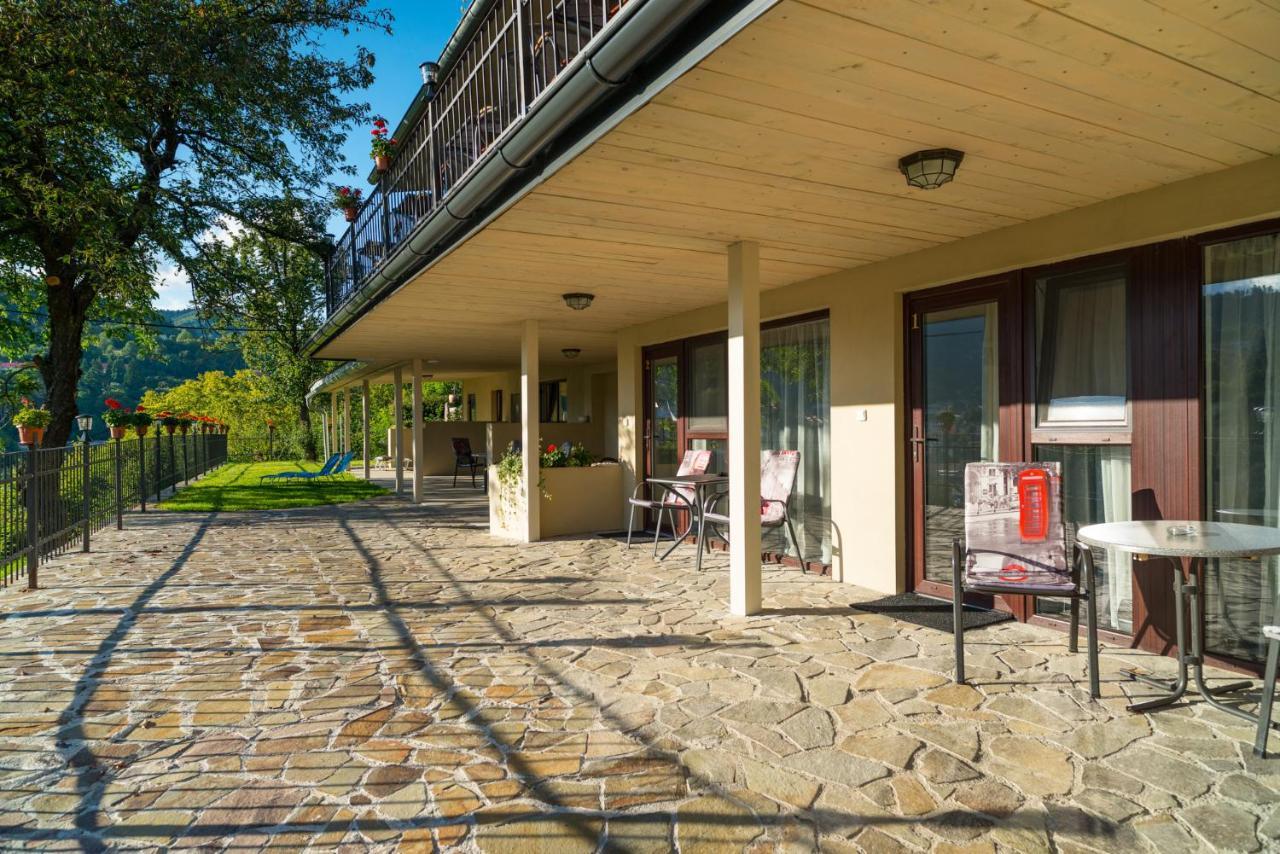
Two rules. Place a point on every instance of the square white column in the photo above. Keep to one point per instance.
(364, 424)
(346, 420)
(397, 425)
(418, 451)
(744, 428)
(333, 423)
(530, 441)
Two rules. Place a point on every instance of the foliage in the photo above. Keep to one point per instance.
(238, 486)
(116, 414)
(241, 400)
(274, 289)
(382, 144)
(132, 129)
(555, 457)
(32, 416)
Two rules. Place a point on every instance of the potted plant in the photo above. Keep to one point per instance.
(31, 421)
(347, 200)
(184, 422)
(118, 419)
(141, 421)
(169, 420)
(383, 146)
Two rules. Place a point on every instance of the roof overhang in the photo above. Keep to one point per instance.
(788, 133)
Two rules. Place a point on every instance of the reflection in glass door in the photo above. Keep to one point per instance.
(956, 421)
(664, 410)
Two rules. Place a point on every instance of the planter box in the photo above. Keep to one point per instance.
(573, 501)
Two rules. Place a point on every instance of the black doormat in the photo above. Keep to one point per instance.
(930, 613)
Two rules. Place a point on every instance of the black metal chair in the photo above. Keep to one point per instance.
(465, 458)
(1015, 543)
(1272, 634)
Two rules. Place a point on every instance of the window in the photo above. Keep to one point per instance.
(515, 407)
(1082, 366)
(1240, 304)
(553, 402)
(708, 409)
(1096, 488)
(471, 407)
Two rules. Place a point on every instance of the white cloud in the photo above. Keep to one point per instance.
(173, 290)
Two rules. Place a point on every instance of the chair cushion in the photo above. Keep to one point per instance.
(1014, 537)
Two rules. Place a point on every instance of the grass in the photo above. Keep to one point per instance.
(236, 486)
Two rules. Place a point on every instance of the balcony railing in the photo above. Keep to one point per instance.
(510, 62)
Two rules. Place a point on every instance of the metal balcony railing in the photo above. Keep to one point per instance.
(510, 62)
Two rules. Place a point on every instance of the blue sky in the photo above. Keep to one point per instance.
(419, 31)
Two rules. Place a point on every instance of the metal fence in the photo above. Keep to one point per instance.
(507, 67)
(53, 499)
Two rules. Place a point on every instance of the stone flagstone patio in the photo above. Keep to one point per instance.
(386, 677)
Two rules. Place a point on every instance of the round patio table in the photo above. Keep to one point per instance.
(700, 483)
(1191, 543)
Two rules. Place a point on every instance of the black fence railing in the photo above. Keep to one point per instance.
(53, 499)
(511, 61)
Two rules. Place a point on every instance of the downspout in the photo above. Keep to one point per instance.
(638, 29)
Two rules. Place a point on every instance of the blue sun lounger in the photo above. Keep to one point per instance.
(335, 465)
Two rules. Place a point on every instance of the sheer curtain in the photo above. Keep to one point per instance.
(990, 384)
(1117, 506)
(795, 403)
(1241, 301)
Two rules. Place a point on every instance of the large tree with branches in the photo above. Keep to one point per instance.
(129, 130)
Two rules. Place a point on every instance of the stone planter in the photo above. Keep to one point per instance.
(580, 500)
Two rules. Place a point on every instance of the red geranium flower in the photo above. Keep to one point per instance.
(551, 449)
(112, 403)
(140, 408)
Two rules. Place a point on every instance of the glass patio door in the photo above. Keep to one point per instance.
(662, 418)
(955, 391)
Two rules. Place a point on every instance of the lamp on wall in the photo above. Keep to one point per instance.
(931, 168)
(570, 352)
(578, 301)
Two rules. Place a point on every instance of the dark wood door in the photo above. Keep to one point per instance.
(963, 344)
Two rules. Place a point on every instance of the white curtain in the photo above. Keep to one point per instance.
(990, 384)
(1242, 430)
(795, 403)
(1117, 506)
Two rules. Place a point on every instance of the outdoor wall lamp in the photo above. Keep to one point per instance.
(578, 302)
(931, 168)
(570, 352)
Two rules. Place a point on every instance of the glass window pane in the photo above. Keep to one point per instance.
(1082, 365)
(1241, 310)
(795, 415)
(1096, 487)
(664, 396)
(708, 388)
(961, 419)
(718, 447)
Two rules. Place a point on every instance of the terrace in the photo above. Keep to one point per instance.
(386, 673)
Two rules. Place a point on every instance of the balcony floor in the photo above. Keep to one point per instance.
(381, 675)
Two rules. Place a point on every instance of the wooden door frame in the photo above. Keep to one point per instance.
(1006, 291)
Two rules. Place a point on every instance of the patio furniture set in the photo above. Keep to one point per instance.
(1015, 544)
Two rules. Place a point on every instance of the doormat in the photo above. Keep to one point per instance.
(930, 613)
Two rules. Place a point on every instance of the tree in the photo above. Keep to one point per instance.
(129, 130)
(273, 289)
(242, 400)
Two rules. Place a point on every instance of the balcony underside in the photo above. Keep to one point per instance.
(790, 133)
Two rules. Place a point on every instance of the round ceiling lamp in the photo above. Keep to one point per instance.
(571, 352)
(578, 301)
(931, 168)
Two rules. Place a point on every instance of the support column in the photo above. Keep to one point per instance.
(529, 439)
(346, 421)
(744, 428)
(333, 423)
(364, 424)
(324, 434)
(418, 451)
(630, 419)
(397, 426)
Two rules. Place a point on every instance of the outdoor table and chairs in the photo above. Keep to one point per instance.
(1190, 543)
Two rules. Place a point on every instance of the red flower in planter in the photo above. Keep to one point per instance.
(112, 403)
(551, 449)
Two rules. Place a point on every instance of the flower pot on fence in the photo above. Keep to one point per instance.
(141, 431)
(30, 435)
(118, 433)
(350, 214)
(382, 162)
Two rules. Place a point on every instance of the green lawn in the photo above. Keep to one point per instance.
(235, 486)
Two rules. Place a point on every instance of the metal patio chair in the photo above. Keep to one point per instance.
(1015, 543)
(778, 470)
(1272, 634)
(465, 458)
(694, 462)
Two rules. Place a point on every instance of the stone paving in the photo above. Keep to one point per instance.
(386, 677)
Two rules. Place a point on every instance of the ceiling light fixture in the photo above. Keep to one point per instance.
(931, 168)
(571, 352)
(578, 301)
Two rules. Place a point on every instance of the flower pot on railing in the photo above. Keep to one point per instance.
(349, 214)
(118, 433)
(141, 430)
(382, 163)
(30, 435)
